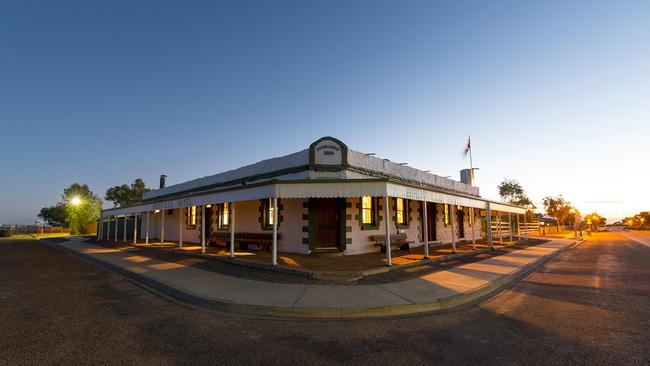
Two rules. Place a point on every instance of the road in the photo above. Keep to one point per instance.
(642, 237)
(589, 306)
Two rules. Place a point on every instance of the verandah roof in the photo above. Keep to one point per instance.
(318, 189)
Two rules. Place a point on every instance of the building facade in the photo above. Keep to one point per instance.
(326, 198)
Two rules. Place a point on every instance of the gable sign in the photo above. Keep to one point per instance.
(328, 151)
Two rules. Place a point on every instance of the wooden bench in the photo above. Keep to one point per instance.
(395, 240)
(242, 240)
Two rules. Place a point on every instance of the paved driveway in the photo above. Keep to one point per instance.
(588, 306)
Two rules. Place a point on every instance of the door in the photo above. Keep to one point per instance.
(431, 221)
(326, 216)
(460, 216)
(208, 222)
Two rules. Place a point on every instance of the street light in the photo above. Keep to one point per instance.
(75, 201)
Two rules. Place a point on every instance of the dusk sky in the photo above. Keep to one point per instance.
(555, 94)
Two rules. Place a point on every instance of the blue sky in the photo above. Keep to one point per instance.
(555, 94)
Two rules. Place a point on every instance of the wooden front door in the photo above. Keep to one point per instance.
(460, 217)
(208, 222)
(431, 221)
(326, 220)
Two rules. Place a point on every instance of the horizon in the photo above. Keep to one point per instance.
(551, 94)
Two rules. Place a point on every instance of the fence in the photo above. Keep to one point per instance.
(529, 227)
(53, 230)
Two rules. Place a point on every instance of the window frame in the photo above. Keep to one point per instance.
(445, 214)
(190, 215)
(221, 208)
(374, 214)
(406, 213)
(266, 206)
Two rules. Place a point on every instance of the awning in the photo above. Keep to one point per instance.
(232, 195)
(319, 189)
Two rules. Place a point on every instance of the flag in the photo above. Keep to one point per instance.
(468, 146)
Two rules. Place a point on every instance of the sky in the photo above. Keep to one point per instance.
(555, 94)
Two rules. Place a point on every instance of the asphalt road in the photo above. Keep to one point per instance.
(589, 306)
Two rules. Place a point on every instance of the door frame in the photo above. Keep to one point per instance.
(342, 226)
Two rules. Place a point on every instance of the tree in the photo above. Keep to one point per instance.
(558, 208)
(82, 207)
(511, 192)
(53, 215)
(124, 195)
(638, 221)
(595, 219)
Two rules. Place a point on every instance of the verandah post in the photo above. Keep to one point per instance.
(162, 229)
(488, 231)
(203, 229)
(135, 228)
(452, 218)
(232, 229)
(125, 222)
(525, 227)
(510, 224)
(107, 236)
(116, 223)
(473, 218)
(499, 227)
(425, 225)
(180, 227)
(146, 235)
(275, 232)
(389, 260)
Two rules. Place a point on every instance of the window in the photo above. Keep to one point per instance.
(224, 215)
(267, 216)
(367, 211)
(446, 214)
(401, 212)
(471, 216)
(270, 215)
(190, 217)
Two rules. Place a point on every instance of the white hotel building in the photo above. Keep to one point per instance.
(326, 198)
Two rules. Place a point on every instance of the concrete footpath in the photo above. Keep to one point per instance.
(436, 291)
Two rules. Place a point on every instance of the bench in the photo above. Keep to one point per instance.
(242, 240)
(395, 239)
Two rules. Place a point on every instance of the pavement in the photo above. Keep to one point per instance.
(431, 292)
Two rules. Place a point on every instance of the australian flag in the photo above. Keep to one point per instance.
(468, 146)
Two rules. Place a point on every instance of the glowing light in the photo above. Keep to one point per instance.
(75, 201)
(156, 211)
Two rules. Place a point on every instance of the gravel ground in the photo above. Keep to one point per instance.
(589, 306)
(268, 275)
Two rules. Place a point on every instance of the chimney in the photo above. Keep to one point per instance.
(467, 177)
(162, 180)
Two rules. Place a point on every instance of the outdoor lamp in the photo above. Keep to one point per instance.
(75, 201)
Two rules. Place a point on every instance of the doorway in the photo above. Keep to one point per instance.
(326, 223)
(208, 222)
(460, 216)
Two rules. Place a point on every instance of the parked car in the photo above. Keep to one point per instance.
(601, 228)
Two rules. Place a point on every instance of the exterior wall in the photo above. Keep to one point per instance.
(293, 227)
(247, 219)
(443, 232)
(359, 239)
(171, 227)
